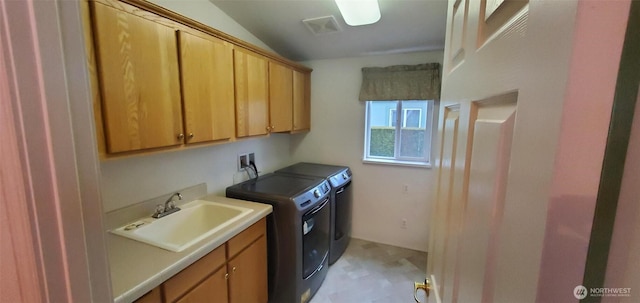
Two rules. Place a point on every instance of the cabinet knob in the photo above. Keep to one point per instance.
(268, 129)
(180, 136)
(226, 276)
(233, 269)
(190, 135)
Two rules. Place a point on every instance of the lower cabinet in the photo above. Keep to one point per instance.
(212, 289)
(154, 296)
(248, 274)
(235, 272)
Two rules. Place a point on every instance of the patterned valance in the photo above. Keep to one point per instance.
(401, 82)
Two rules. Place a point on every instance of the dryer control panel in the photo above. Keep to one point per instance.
(312, 196)
(340, 178)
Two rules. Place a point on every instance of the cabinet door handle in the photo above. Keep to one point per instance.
(180, 136)
(234, 269)
(226, 276)
(190, 135)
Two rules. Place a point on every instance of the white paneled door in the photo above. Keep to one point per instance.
(507, 70)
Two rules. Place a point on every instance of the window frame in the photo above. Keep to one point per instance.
(425, 160)
(404, 114)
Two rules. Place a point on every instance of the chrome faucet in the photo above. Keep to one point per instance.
(168, 208)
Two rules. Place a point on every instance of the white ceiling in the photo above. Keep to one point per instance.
(405, 26)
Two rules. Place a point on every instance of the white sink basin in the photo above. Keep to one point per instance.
(195, 221)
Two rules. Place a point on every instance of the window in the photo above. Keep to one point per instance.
(403, 139)
(413, 115)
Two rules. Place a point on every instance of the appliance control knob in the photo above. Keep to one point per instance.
(344, 176)
(316, 193)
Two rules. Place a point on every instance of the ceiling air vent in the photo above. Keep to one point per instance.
(322, 25)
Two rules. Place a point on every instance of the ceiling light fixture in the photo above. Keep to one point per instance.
(359, 12)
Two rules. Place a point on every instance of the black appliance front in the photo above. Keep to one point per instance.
(297, 232)
(341, 198)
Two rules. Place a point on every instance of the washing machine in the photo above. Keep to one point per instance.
(340, 197)
(297, 232)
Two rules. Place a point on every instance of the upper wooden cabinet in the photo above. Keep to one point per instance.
(139, 81)
(162, 80)
(206, 68)
(289, 99)
(280, 97)
(252, 113)
(301, 101)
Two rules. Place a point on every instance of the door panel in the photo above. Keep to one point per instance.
(280, 97)
(440, 232)
(207, 87)
(301, 101)
(252, 93)
(140, 85)
(490, 156)
(491, 201)
(212, 289)
(247, 274)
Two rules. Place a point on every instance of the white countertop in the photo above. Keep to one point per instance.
(137, 268)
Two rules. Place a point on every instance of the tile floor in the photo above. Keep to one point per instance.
(371, 272)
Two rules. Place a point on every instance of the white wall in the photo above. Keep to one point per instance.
(337, 137)
(207, 13)
(135, 179)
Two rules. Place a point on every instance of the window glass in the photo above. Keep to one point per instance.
(381, 128)
(398, 131)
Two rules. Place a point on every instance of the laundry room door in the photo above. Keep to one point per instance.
(508, 67)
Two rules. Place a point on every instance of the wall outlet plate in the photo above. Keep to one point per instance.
(244, 160)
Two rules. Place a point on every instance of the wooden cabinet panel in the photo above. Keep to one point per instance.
(301, 101)
(248, 274)
(207, 87)
(280, 97)
(213, 289)
(179, 284)
(243, 239)
(154, 296)
(138, 72)
(234, 272)
(252, 114)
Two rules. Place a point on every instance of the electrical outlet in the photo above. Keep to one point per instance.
(245, 159)
(404, 224)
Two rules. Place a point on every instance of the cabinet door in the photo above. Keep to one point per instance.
(207, 87)
(154, 296)
(212, 289)
(301, 101)
(280, 97)
(252, 115)
(248, 274)
(139, 82)
(182, 282)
